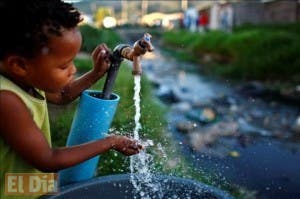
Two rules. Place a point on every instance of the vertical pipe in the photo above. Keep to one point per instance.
(111, 77)
(91, 122)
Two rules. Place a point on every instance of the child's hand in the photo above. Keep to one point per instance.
(125, 145)
(101, 59)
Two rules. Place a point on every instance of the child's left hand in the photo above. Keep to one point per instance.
(101, 59)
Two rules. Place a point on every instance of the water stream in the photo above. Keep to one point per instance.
(144, 184)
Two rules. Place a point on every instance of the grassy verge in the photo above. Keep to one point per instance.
(91, 37)
(265, 53)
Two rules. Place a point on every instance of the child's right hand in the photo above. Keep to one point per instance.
(125, 145)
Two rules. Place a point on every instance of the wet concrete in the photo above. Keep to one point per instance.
(228, 131)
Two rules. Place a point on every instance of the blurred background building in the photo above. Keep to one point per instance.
(174, 14)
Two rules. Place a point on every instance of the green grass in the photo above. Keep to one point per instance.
(250, 52)
(60, 122)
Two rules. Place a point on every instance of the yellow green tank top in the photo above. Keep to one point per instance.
(10, 162)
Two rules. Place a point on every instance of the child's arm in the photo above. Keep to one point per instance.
(73, 89)
(19, 131)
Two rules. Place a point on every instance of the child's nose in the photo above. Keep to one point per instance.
(73, 70)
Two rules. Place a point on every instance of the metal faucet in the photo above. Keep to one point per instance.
(140, 47)
(121, 51)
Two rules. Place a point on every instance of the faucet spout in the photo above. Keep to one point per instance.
(136, 68)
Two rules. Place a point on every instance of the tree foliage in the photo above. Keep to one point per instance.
(100, 14)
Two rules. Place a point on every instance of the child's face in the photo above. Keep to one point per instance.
(53, 68)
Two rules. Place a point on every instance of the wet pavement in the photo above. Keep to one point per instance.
(227, 129)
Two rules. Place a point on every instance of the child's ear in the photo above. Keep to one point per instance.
(17, 65)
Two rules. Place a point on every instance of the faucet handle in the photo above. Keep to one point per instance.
(146, 42)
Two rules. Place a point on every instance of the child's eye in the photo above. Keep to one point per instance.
(66, 65)
(63, 67)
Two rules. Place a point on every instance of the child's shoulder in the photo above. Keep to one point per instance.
(8, 85)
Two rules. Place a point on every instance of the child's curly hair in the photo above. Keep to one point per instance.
(27, 25)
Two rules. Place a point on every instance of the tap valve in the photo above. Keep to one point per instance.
(122, 51)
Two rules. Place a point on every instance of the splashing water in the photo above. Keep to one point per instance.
(140, 164)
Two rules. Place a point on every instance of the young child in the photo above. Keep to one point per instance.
(39, 41)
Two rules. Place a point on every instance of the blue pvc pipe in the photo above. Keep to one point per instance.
(92, 121)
